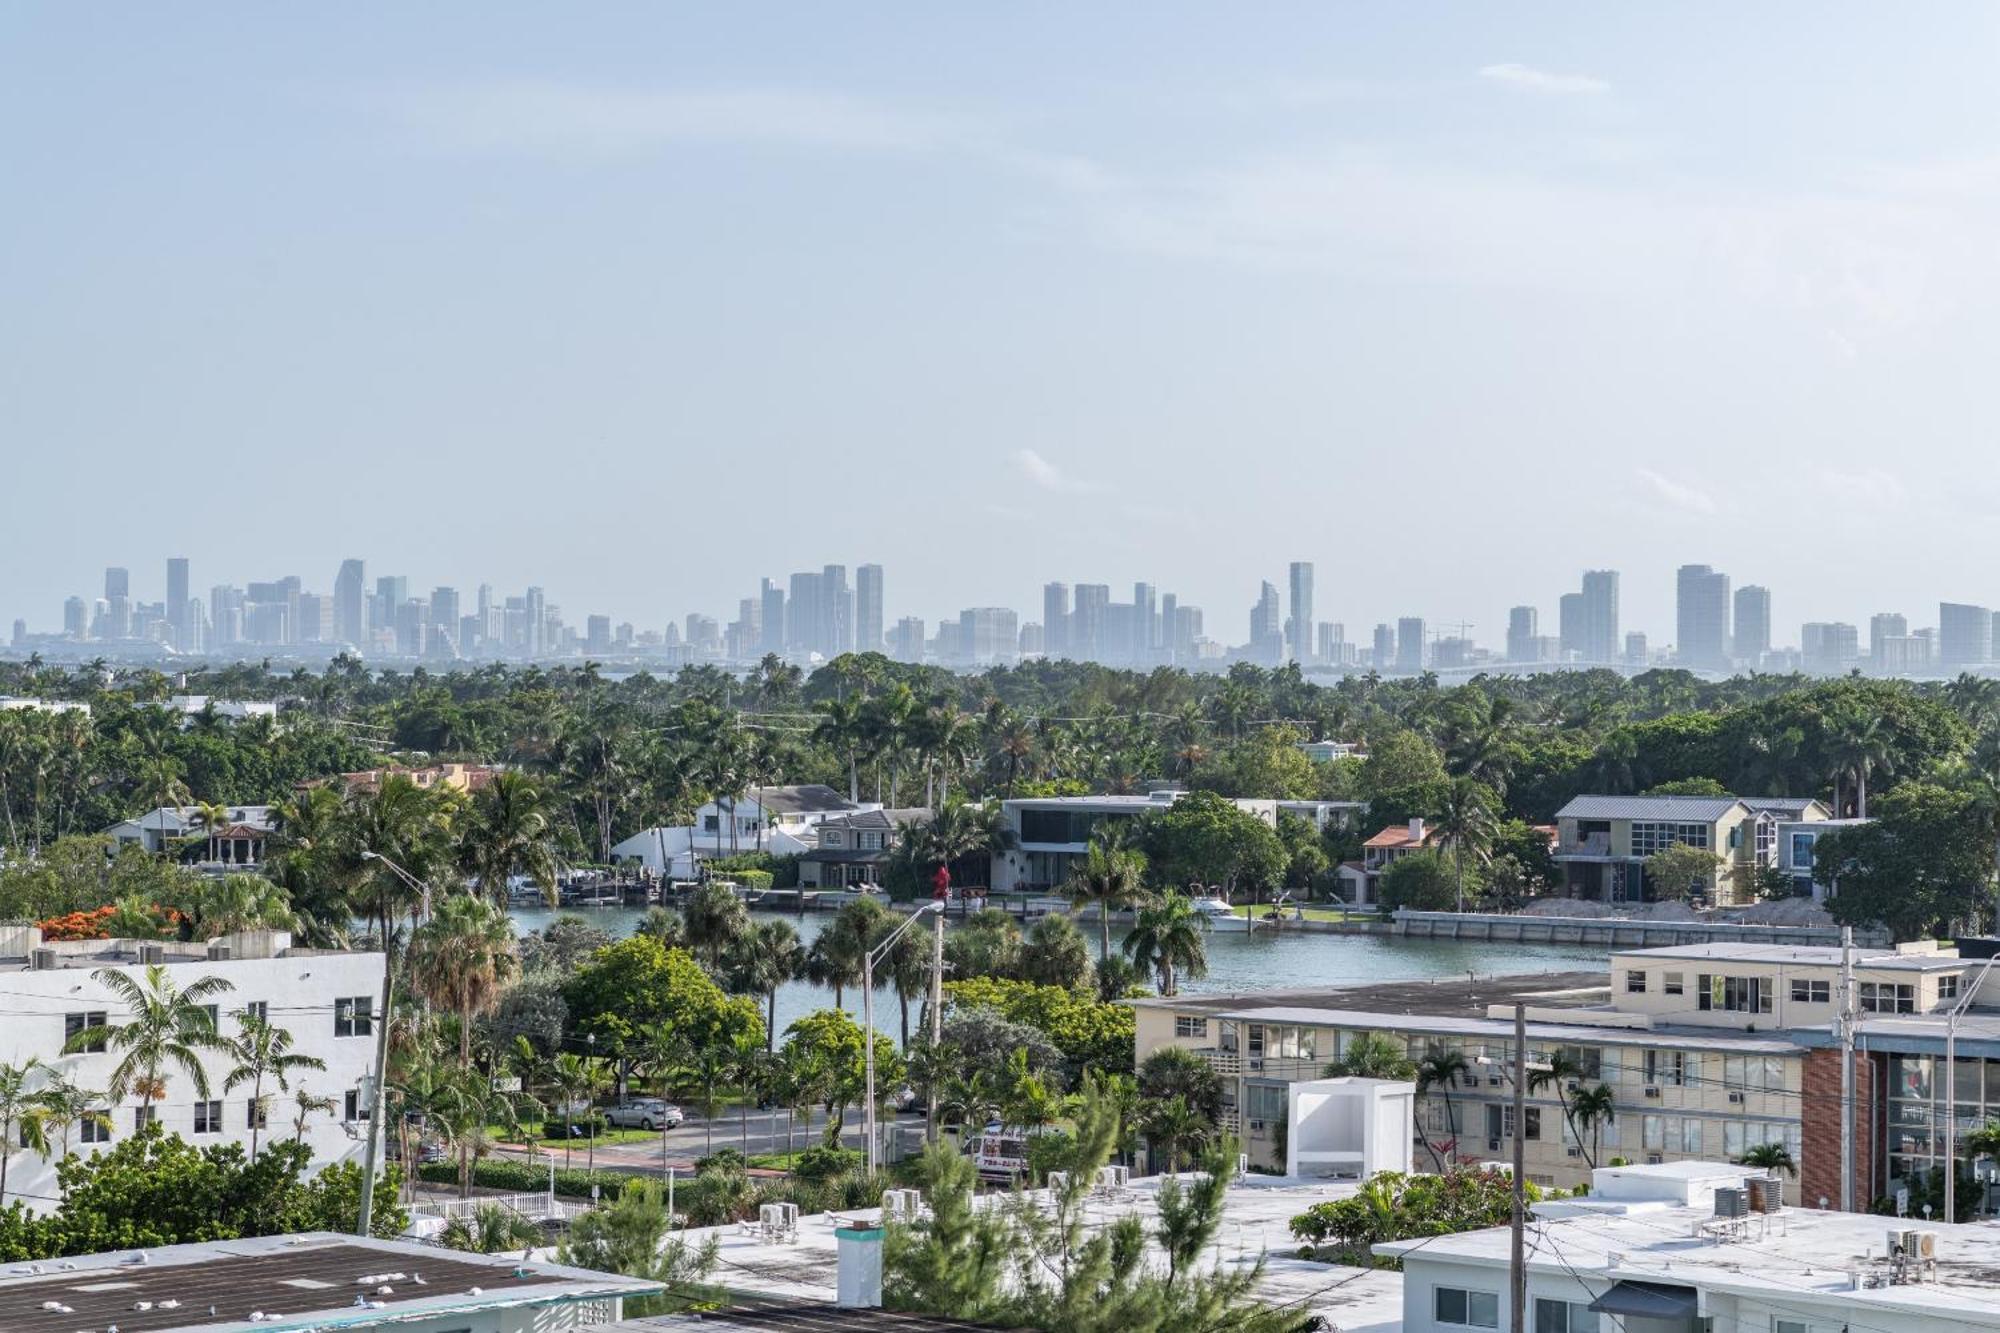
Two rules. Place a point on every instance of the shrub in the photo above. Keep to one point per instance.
(825, 1163)
(528, 1178)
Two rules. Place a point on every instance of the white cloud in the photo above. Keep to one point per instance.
(557, 117)
(1046, 475)
(1530, 79)
(1678, 495)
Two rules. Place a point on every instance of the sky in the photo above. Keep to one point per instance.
(641, 302)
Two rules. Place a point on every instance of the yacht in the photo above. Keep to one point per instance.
(1216, 910)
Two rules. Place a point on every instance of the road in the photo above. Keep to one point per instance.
(758, 1132)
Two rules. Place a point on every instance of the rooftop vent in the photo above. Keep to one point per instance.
(152, 953)
(43, 960)
(1767, 1194)
(1732, 1202)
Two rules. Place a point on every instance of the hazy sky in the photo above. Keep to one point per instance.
(641, 302)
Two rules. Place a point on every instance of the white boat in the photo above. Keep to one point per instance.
(1219, 914)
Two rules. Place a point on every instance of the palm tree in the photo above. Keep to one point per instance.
(305, 1105)
(762, 962)
(1595, 1108)
(575, 1079)
(463, 960)
(1857, 744)
(1465, 822)
(1110, 876)
(1167, 939)
(1172, 1127)
(1772, 1157)
(66, 1104)
(491, 1229)
(23, 1116)
(714, 918)
(1440, 1070)
(262, 1051)
(167, 1024)
(208, 818)
(1374, 1055)
(236, 903)
(512, 833)
(1565, 1074)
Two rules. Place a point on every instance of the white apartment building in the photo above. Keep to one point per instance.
(1662, 1250)
(328, 1000)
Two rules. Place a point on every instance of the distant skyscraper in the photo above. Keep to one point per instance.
(76, 618)
(1145, 612)
(772, 623)
(1332, 649)
(444, 612)
(1384, 647)
(1165, 639)
(906, 641)
(1828, 648)
(836, 611)
(1884, 626)
(1523, 626)
(1636, 651)
(1055, 620)
(802, 614)
(177, 603)
(1965, 635)
(1410, 644)
(350, 618)
(1087, 622)
(1299, 626)
(1701, 618)
(1753, 624)
(1267, 626)
(117, 603)
(1569, 625)
(868, 609)
(117, 583)
(1598, 630)
(1031, 639)
(987, 635)
(597, 634)
(538, 623)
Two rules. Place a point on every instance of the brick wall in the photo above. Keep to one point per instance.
(1819, 1173)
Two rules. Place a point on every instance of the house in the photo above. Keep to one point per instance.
(1796, 840)
(782, 821)
(1325, 752)
(852, 849)
(238, 842)
(1603, 841)
(1708, 1049)
(312, 1280)
(1360, 881)
(326, 999)
(18, 704)
(1662, 1249)
(192, 706)
(466, 778)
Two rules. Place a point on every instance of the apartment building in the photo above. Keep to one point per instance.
(327, 1000)
(1709, 1050)
(1602, 842)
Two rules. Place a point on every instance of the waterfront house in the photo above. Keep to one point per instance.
(1603, 841)
(852, 849)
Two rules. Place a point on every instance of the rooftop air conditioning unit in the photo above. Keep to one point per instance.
(219, 951)
(152, 953)
(1767, 1194)
(1927, 1245)
(43, 960)
(1732, 1202)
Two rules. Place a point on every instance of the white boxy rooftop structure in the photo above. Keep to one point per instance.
(1668, 1247)
(1352, 1127)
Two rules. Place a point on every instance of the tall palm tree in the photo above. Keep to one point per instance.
(1565, 1075)
(23, 1116)
(209, 818)
(463, 959)
(1440, 1071)
(1173, 1128)
(239, 902)
(714, 919)
(1771, 1157)
(575, 1080)
(512, 832)
(305, 1105)
(1595, 1107)
(1110, 876)
(262, 1051)
(1465, 822)
(762, 962)
(1860, 744)
(1167, 939)
(166, 1024)
(66, 1104)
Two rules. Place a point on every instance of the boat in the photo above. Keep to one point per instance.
(1218, 913)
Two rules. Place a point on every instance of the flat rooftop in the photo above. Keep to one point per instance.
(1803, 955)
(1465, 997)
(299, 1282)
(1800, 1255)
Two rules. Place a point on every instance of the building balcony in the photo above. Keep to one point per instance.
(1596, 846)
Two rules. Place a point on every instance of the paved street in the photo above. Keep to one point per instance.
(766, 1132)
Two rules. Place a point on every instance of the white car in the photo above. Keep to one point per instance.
(644, 1113)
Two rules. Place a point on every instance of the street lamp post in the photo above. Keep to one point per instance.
(372, 1158)
(868, 1025)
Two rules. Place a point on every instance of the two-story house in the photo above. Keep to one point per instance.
(1603, 841)
(1360, 880)
(852, 849)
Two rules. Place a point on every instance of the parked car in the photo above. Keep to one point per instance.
(644, 1113)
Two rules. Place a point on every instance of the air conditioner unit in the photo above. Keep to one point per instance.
(1493, 1145)
(1256, 1125)
(1652, 1092)
(44, 960)
(1572, 1152)
(1736, 1098)
(152, 953)
(1654, 1159)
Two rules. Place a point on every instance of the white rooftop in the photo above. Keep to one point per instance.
(1583, 1034)
(1803, 955)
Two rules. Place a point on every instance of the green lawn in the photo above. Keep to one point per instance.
(1312, 913)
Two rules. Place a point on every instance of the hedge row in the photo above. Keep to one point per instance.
(518, 1177)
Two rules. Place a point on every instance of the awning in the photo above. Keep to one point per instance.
(1647, 1300)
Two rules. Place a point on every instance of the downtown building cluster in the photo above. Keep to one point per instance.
(817, 615)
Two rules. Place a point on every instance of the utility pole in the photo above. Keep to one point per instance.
(1517, 1270)
(1847, 1069)
(937, 1017)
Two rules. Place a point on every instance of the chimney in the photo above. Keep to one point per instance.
(1417, 830)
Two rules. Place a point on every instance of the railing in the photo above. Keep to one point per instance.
(534, 1207)
(1288, 1068)
(1590, 844)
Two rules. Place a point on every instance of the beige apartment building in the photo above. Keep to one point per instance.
(1709, 1050)
(1602, 842)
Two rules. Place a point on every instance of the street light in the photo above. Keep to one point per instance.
(381, 1077)
(868, 1022)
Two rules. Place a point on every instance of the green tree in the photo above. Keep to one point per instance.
(1772, 1157)
(166, 1024)
(511, 831)
(1054, 954)
(829, 1042)
(462, 960)
(262, 1051)
(1440, 1071)
(1679, 870)
(1923, 862)
(1373, 1055)
(633, 1235)
(1594, 1107)
(1111, 876)
(1169, 940)
(490, 1229)
(1465, 821)
(765, 959)
(1420, 881)
(23, 1116)
(715, 919)
(1207, 839)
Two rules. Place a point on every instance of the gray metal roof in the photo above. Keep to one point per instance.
(1678, 809)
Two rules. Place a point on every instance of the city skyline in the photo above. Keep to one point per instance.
(820, 614)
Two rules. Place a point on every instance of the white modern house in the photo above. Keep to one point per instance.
(238, 841)
(191, 706)
(781, 820)
(326, 999)
(1685, 1247)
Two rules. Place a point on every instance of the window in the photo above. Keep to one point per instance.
(1666, 1068)
(214, 1012)
(1654, 1135)
(1811, 992)
(1589, 1060)
(259, 1010)
(96, 1127)
(143, 1116)
(259, 1116)
(354, 1108)
(1691, 1136)
(1184, 1026)
(1635, 982)
(1736, 995)
(1226, 1040)
(1534, 1133)
(1675, 983)
(354, 1016)
(1563, 1317)
(1790, 1326)
(830, 838)
(1802, 851)
(1466, 1309)
(208, 1117)
(1648, 838)
(1948, 986)
(1265, 1103)
(1887, 998)
(871, 842)
(75, 1023)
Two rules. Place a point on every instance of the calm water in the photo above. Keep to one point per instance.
(1236, 960)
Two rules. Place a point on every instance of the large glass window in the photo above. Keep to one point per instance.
(1887, 998)
(1466, 1309)
(1563, 1317)
(1265, 1103)
(1648, 838)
